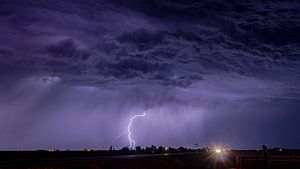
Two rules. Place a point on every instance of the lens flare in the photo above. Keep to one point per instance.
(218, 151)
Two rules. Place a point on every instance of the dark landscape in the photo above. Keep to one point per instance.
(174, 159)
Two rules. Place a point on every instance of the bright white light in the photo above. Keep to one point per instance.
(131, 141)
(218, 151)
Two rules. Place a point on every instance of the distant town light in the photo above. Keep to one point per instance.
(218, 151)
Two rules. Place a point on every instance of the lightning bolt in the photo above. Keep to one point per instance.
(131, 141)
(128, 131)
(116, 138)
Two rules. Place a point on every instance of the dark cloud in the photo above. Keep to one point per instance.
(5, 53)
(132, 68)
(141, 38)
(252, 39)
(67, 49)
(97, 62)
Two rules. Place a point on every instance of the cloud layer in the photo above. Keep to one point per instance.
(206, 71)
(165, 42)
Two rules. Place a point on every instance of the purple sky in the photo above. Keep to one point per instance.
(73, 72)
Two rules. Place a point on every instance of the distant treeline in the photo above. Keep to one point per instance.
(55, 153)
(152, 150)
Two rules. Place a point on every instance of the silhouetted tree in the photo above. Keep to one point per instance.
(182, 149)
(266, 156)
(172, 150)
(138, 149)
(124, 150)
(147, 150)
(160, 149)
(153, 149)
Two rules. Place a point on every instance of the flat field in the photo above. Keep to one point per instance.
(106, 160)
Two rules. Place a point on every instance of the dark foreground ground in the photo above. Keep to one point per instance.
(185, 160)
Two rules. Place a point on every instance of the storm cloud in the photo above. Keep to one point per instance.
(83, 67)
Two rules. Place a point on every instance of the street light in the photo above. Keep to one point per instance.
(218, 150)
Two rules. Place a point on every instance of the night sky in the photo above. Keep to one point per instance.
(73, 72)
